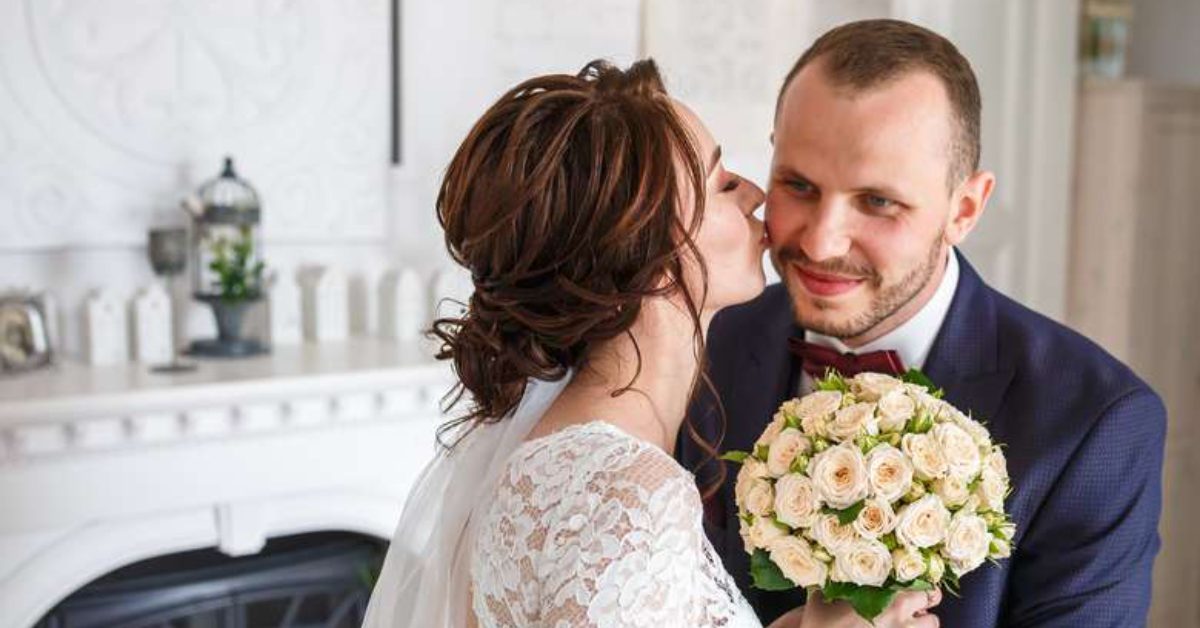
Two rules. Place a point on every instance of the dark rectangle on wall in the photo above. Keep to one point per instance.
(397, 87)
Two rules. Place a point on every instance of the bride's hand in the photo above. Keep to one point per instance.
(910, 609)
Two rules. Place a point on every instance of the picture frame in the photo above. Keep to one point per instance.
(25, 336)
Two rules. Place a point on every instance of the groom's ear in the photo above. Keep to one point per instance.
(967, 205)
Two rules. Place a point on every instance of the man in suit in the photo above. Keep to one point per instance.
(875, 179)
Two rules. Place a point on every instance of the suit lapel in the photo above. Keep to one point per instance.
(965, 358)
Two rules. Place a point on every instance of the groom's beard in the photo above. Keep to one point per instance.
(885, 302)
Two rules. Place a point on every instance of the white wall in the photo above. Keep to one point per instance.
(1163, 42)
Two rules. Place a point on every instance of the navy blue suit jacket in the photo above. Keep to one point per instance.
(1085, 447)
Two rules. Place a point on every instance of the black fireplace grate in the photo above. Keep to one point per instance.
(306, 581)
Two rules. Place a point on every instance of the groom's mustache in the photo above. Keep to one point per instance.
(840, 266)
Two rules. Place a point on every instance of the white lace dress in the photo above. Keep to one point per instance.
(591, 526)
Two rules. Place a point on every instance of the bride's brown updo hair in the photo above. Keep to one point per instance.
(565, 202)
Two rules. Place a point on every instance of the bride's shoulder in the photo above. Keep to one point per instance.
(595, 454)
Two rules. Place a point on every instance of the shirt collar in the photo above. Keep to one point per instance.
(914, 338)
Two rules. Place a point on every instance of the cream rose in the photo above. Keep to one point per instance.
(852, 421)
(959, 449)
(996, 462)
(796, 501)
(773, 429)
(875, 519)
(1000, 548)
(865, 562)
(760, 534)
(991, 490)
(833, 536)
(759, 497)
(795, 559)
(967, 543)
(873, 386)
(786, 446)
(908, 563)
(923, 523)
(953, 490)
(752, 469)
(925, 454)
(840, 475)
(976, 429)
(889, 472)
(822, 403)
(895, 410)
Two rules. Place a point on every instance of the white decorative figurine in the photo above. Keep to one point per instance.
(326, 304)
(403, 308)
(152, 326)
(105, 335)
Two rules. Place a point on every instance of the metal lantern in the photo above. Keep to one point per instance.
(227, 265)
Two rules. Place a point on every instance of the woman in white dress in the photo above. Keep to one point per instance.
(602, 233)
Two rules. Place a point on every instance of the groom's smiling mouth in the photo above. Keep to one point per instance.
(824, 284)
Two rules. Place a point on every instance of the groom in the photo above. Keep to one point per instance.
(874, 181)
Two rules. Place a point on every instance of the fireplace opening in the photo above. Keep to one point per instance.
(318, 580)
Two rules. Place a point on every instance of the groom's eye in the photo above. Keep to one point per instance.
(879, 202)
(802, 186)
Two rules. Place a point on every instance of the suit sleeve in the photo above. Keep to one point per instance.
(1087, 557)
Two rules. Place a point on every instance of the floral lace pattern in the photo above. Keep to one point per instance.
(593, 527)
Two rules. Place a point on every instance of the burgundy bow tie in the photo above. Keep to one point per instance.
(816, 359)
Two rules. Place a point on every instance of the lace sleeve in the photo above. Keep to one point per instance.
(600, 531)
(629, 554)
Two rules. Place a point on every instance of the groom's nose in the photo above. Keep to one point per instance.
(821, 233)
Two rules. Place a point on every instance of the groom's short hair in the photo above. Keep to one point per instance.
(870, 53)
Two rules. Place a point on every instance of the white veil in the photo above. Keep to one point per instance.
(426, 577)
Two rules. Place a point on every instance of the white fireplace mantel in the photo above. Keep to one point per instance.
(104, 466)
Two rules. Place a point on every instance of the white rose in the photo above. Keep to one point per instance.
(875, 519)
(909, 564)
(773, 429)
(865, 562)
(752, 469)
(967, 543)
(832, 535)
(840, 475)
(852, 421)
(895, 410)
(953, 490)
(889, 472)
(921, 395)
(991, 490)
(760, 534)
(923, 523)
(759, 497)
(925, 454)
(787, 445)
(796, 501)
(820, 404)
(976, 429)
(873, 386)
(795, 559)
(959, 449)
(996, 462)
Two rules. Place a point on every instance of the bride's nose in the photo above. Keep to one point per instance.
(752, 197)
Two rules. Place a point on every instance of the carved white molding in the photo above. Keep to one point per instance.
(101, 467)
(109, 111)
(57, 563)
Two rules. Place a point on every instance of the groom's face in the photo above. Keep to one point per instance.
(859, 206)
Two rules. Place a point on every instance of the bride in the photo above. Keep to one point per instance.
(603, 233)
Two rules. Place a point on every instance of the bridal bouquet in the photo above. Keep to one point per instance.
(870, 486)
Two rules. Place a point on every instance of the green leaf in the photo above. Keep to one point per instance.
(868, 602)
(760, 452)
(914, 376)
(833, 381)
(850, 514)
(735, 456)
(766, 574)
(916, 585)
